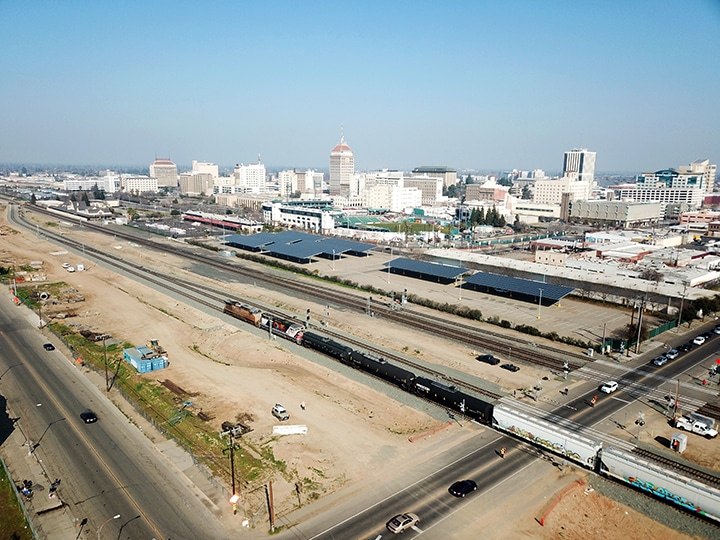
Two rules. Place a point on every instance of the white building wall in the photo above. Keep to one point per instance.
(138, 184)
(252, 178)
(203, 167)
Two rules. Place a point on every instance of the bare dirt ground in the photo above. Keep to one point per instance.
(351, 428)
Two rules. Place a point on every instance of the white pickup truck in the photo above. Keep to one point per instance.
(695, 427)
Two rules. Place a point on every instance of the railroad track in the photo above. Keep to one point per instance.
(456, 330)
(692, 472)
(708, 409)
(214, 299)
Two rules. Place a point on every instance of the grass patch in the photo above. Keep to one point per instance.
(13, 524)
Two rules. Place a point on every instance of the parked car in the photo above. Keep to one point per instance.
(49, 347)
(462, 488)
(660, 360)
(280, 413)
(510, 367)
(402, 522)
(609, 387)
(672, 354)
(88, 416)
(685, 347)
(488, 359)
(717, 330)
(699, 340)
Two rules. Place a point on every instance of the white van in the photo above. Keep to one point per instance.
(80, 267)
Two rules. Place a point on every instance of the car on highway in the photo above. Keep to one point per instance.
(402, 522)
(609, 387)
(672, 354)
(280, 412)
(462, 488)
(88, 416)
(49, 347)
(660, 360)
(510, 367)
(488, 359)
(699, 340)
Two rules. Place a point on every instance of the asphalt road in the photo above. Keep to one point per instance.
(106, 468)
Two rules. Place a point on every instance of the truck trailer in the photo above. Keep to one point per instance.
(539, 432)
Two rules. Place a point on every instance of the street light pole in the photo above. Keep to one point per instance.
(540, 303)
(333, 260)
(108, 521)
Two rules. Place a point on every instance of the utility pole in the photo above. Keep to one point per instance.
(107, 381)
(642, 308)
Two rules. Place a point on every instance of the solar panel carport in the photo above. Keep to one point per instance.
(442, 273)
(521, 289)
(297, 246)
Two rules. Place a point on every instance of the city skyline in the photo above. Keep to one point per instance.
(468, 85)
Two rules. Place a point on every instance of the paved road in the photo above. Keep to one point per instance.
(107, 468)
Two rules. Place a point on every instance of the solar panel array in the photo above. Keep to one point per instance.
(296, 245)
(520, 286)
(443, 271)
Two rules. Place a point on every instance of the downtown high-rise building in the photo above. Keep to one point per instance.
(165, 171)
(580, 164)
(342, 168)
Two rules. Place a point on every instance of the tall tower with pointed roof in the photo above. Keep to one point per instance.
(342, 168)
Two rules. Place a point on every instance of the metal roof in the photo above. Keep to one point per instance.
(527, 287)
(297, 245)
(444, 271)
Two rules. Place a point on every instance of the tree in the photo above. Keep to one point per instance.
(505, 182)
(469, 180)
(33, 199)
(526, 193)
(85, 198)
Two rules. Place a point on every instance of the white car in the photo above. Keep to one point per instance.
(609, 387)
(672, 354)
(699, 340)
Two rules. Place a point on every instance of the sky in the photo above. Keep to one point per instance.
(485, 85)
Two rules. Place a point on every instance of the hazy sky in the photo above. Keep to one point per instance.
(466, 84)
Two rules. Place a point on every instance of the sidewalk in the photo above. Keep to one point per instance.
(48, 515)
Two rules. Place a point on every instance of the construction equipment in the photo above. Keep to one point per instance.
(154, 344)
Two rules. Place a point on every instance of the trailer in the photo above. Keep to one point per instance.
(663, 483)
(564, 442)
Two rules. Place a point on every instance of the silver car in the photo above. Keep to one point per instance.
(402, 522)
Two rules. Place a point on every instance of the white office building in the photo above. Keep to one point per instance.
(342, 168)
(550, 190)
(580, 164)
(138, 184)
(203, 167)
(251, 178)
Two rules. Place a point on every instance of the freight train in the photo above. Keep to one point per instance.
(445, 395)
(648, 476)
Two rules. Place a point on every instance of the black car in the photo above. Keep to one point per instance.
(510, 367)
(462, 488)
(88, 416)
(685, 347)
(488, 359)
(49, 347)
